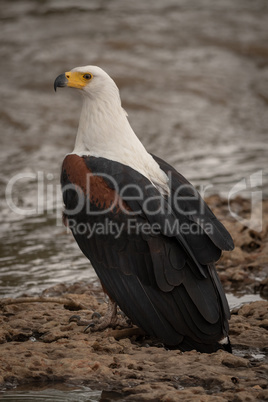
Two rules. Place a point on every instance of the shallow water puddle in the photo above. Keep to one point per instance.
(236, 301)
(55, 394)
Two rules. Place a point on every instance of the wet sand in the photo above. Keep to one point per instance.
(39, 346)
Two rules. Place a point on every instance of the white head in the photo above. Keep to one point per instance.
(104, 130)
(93, 82)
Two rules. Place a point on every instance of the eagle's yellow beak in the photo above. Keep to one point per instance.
(73, 79)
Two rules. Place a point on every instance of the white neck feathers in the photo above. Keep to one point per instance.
(104, 131)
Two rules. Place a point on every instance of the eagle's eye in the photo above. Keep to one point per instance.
(87, 76)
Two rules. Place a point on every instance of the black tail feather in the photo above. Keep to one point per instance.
(189, 344)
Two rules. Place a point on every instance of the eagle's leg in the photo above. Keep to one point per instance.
(110, 319)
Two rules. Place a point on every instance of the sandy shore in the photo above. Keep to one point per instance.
(38, 344)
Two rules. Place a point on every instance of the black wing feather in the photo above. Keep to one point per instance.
(190, 200)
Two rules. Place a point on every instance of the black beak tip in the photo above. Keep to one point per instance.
(60, 81)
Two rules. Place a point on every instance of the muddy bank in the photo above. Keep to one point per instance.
(40, 345)
(245, 269)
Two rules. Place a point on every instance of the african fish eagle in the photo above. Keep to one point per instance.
(150, 237)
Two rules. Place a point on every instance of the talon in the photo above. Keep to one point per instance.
(96, 315)
(79, 321)
(91, 325)
(75, 317)
(121, 313)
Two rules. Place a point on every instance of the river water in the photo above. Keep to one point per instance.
(193, 78)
